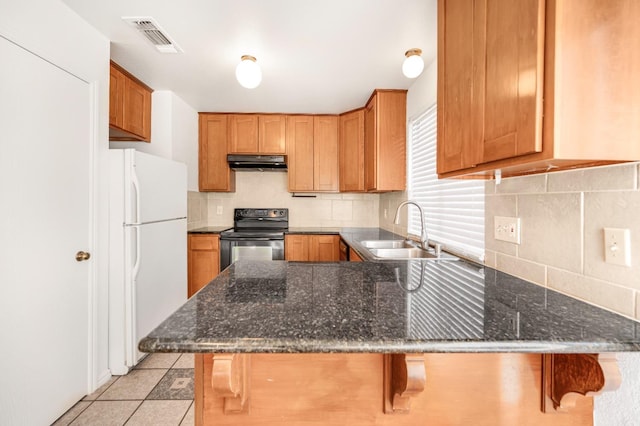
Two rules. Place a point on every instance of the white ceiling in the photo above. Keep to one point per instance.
(317, 56)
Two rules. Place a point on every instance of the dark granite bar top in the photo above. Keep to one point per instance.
(314, 230)
(384, 307)
(209, 229)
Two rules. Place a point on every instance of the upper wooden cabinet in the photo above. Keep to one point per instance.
(385, 141)
(498, 60)
(129, 107)
(214, 173)
(351, 143)
(312, 150)
(300, 152)
(361, 150)
(257, 134)
(243, 134)
(325, 153)
(272, 134)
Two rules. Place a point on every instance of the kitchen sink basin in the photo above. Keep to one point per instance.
(387, 244)
(409, 253)
(403, 253)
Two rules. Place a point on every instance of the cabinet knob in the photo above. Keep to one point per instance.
(82, 255)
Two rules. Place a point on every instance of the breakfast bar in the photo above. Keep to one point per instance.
(392, 343)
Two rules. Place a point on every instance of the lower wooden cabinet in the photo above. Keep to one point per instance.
(312, 248)
(354, 256)
(203, 260)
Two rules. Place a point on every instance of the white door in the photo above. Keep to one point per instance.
(45, 138)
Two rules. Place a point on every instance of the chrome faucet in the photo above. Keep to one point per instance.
(424, 240)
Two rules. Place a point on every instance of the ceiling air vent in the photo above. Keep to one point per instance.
(150, 29)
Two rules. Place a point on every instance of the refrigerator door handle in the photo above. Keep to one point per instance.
(136, 264)
(136, 187)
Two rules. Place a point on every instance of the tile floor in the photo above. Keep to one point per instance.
(159, 391)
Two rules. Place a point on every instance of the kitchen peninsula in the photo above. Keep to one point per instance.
(391, 343)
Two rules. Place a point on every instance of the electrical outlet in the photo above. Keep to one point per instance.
(617, 246)
(506, 229)
(218, 210)
(385, 213)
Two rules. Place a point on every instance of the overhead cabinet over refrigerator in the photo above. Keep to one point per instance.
(147, 249)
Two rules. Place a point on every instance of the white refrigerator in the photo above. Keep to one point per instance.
(147, 249)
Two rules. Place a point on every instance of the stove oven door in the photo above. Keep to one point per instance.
(232, 250)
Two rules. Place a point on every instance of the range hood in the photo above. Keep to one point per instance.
(262, 163)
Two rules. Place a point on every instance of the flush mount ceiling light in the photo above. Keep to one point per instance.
(248, 72)
(413, 63)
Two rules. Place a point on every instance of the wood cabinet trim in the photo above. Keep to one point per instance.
(404, 378)
(130, 76)
(230, 379)
(567, 377)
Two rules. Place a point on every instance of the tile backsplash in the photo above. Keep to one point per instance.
(562, 219)
(269, 189)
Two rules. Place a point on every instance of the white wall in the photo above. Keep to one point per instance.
(51, 30)
(174, 133)
(184, 134)
(421, 95)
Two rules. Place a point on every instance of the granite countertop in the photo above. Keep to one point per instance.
(209, 230)
(384, 307)
(314, 230)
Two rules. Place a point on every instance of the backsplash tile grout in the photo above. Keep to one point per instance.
(562, 216)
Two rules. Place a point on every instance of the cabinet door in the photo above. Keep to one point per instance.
(325, 248)
(353, 256)
(325, 153)
(490, 74)
(116, 94)
(391, 143)
(243, 134)
(213, 171)
(458, 141)
(352, 152)
(296, 248)
(203, 259)
(272, 131)
(137, 109)
(300, 152)
(370, 148)
(511, 117)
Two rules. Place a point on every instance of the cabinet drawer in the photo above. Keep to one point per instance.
(204, 242)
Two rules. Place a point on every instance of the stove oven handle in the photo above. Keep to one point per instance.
(250, 239)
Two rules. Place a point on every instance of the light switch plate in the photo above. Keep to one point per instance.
(218, 209)
(617, 246)
(506, 229)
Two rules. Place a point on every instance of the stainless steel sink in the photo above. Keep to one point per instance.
(402, 253)
(386, 244)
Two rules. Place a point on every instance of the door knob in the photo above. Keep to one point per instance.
(82, 255)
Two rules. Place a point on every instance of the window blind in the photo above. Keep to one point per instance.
(453, 208)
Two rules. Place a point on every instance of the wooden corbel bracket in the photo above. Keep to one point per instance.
(404, 378)
(565, 377)
(230, 380)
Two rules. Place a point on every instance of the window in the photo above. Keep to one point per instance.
(453, 208)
